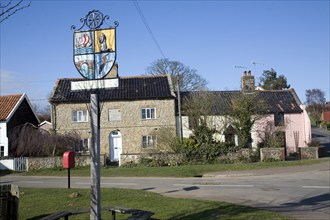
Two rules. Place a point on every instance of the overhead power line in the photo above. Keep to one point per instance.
(144, 20)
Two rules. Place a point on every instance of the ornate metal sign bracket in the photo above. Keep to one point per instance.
(94, 49)
(93, 20)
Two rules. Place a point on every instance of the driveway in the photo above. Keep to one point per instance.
(302, 191)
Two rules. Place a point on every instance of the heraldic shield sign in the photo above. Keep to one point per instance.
(95, 49)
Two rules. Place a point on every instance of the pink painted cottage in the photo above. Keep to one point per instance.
(283, 113)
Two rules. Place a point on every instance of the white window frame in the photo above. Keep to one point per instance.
(149, 141)
(83, 145)
(80, 116)
(148, 113)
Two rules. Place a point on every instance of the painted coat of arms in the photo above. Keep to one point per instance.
(95, 49)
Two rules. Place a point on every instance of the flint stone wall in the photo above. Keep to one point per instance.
(276, 154)
(171, 159)
(309, 153)
(37, 163)
(239, 156)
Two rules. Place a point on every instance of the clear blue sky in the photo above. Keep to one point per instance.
(291, 37)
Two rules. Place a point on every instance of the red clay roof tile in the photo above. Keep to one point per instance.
(7, 104)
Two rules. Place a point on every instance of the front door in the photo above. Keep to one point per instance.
(115, 146)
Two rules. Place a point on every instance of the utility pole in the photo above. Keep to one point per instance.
(179, 108)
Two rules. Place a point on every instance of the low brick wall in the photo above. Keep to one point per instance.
(272, 154)
(37, 163)
(309, 153)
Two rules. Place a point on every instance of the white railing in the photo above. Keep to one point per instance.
(17, 164)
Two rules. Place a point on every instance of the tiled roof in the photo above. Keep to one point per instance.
(130, 88)
(7, 104)
(274, 100)
(280, 101)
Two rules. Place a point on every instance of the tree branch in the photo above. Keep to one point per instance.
(8, 11)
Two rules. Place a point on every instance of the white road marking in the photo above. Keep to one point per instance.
(39, 182)
(191, 185)
(123, 184)
(317, 187)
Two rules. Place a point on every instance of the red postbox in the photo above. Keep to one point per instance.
(68, 159)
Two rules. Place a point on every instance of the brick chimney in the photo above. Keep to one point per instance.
(247, 82)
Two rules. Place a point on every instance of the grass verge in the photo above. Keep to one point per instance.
(178, 171)
(38, 203)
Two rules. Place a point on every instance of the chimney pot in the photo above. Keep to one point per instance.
(247, 82)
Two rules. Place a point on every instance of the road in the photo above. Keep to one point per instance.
(323, 137)
(302, 192)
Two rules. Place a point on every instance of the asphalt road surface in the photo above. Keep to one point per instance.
(323, 137)
(301, 192)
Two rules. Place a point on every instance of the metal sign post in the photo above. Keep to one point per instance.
(94, 54)
(95, 155)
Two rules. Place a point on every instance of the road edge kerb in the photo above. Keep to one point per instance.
(270, 171)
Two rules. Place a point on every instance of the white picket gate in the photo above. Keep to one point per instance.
(20, 164)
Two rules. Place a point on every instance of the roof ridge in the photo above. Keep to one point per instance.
(275, 90)
(123, 77)
(12, 95)
(143, 76)
(232, 91)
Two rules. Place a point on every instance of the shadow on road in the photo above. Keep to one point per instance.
(5, 172)
(318, 202)
(315, 205)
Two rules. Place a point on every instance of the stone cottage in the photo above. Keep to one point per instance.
(139, 106)
(130, 114)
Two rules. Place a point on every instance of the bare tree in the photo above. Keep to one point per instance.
(315, 101)
(188, 79)
(28, 140)
(10, 9)
(246, 109)
(166, 139)
(271, 136)
(199, 107)
(43, 112)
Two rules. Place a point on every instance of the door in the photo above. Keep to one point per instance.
(115, 146)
